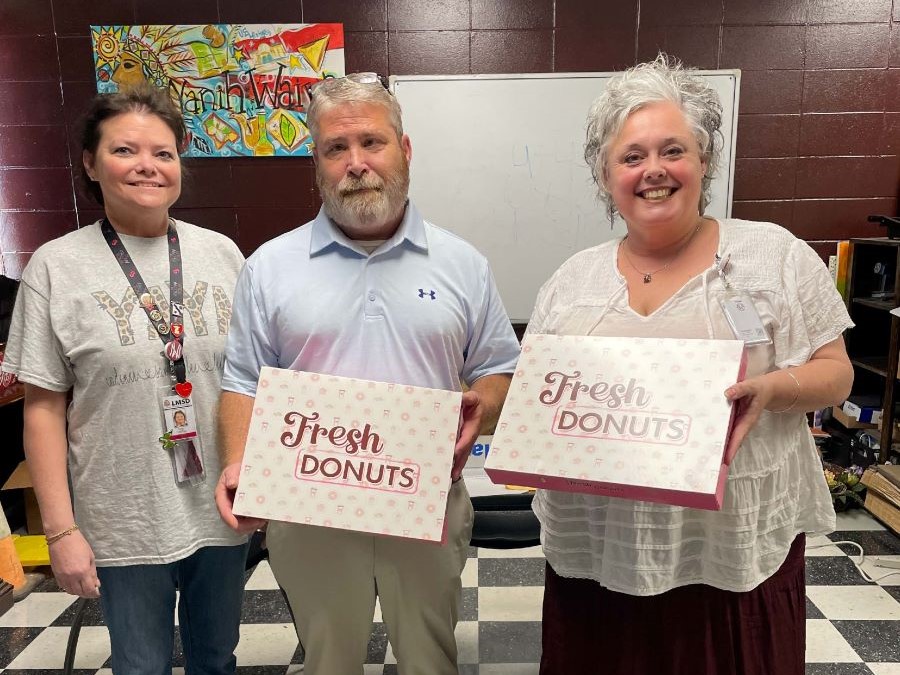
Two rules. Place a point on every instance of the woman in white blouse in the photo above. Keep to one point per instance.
(634, 587)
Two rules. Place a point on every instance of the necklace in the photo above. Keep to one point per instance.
(648, 276)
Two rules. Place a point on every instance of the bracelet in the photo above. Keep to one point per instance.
(796, 394)
(59, 535)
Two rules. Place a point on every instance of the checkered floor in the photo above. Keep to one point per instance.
(853, 627)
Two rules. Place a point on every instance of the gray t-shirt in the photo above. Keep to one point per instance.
(78, 325)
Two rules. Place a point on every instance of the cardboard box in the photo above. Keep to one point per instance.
(883, 495)
(639, 418)
(881, 508)
(349, 454)
(885, 480)
(21, 480)
(848, 422)
(868, 414)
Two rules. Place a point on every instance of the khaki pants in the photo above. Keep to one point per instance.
(332, 577)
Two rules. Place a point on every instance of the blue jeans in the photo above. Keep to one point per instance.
(139, 607)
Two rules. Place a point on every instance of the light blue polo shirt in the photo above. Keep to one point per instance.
(423, 309)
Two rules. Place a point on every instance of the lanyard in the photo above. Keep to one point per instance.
(171, 336)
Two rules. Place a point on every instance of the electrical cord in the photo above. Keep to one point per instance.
(862, 558)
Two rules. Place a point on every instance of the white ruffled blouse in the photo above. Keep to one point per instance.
(776, 488)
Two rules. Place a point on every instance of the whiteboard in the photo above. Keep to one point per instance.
(499, 160)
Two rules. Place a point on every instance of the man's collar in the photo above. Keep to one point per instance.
(326, 234)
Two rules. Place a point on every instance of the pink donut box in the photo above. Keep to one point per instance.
(636, 418)
(350, 454)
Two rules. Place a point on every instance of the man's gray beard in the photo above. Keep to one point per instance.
(371, 209)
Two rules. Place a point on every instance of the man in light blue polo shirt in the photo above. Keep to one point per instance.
(367, 290)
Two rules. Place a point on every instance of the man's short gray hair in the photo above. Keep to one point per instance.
(664, 79)
(331, 93)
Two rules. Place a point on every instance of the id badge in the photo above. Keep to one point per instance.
(180, 438)
(743, 319)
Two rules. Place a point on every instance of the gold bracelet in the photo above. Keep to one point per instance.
(59, 535)
(796, 394)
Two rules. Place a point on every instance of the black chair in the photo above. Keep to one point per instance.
(74, 632)
(505, 522)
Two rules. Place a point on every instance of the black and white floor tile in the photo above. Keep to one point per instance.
(853, 626)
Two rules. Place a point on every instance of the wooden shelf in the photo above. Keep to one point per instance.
(886, 305)
(874, 364)
(874, 344)
(876, 241)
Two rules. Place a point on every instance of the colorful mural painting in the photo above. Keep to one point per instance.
(241, 87)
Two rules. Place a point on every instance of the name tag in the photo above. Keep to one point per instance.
(744, 321)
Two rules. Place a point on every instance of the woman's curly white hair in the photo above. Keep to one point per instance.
(664, 79)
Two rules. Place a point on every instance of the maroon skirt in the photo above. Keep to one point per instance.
(692, 630)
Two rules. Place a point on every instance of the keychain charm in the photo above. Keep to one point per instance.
(174, 350)
(166, 441)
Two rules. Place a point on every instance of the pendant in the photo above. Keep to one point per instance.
(184, 389)
(166, 441)
(647, 279)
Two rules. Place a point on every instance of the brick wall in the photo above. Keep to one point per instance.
(818, 134)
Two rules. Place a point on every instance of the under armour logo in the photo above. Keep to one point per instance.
(431, 294)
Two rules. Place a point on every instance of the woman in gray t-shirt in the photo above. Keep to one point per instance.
(128, 316)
